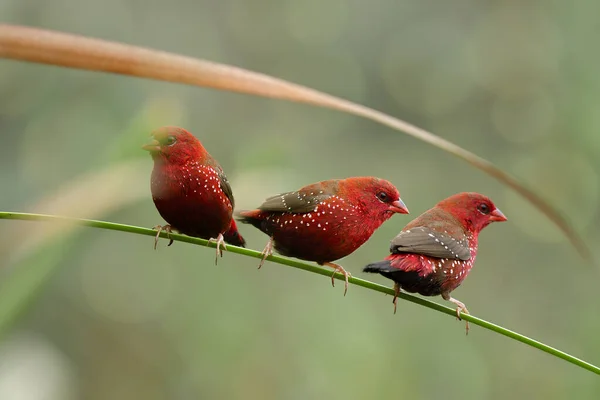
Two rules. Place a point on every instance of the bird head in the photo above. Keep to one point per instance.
(377, 196)
(473, 210)
(174, 145)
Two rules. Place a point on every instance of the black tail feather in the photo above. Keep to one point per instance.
(235, 239)
(379, 267)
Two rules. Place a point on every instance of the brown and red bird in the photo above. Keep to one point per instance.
(190, 189)
(327, 220)
(434, 253)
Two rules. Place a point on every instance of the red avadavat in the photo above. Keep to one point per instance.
(190, 189)
(434, 253)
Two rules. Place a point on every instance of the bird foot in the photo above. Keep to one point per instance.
(167, 228)
(220, 240)
(268, 250)
(460, 307)
(396, 294)
(341, 270)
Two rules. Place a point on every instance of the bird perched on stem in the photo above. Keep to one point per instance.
(190, 189)
(327, 220)
(434, 253)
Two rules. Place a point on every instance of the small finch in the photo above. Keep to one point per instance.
(434, 253)
(327, 220)
(190, 189)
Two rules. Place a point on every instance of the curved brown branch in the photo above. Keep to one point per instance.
(66, 50)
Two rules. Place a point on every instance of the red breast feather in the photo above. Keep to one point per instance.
(190, 199)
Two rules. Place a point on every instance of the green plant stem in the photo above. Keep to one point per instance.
(311, 268)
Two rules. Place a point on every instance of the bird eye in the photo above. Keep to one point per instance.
(382, 196)
(170, 140)
(483, 208)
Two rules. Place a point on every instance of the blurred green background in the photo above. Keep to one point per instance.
(516, 82)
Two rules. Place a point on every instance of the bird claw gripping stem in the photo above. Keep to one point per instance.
(167, 228)
(396, 294)
(220, 240)
(460, 307)
(341, 270)
(268, 250)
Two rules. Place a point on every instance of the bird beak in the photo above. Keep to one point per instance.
(497, 216)
(153, 146)
(398, 206)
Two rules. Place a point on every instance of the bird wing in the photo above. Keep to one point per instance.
(301, 201)
(223, 181)
(226, 187)
(425, 241)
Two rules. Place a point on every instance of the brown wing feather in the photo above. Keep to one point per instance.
(301, 201)
(422, 240)
(293, 202)
(226, 187)
(223, 181)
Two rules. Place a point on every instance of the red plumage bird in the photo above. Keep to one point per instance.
(190, 189)
(434, 253)
(327, 220)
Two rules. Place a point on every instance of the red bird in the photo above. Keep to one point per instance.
(190, 189)
(434, 253)
(327, 220)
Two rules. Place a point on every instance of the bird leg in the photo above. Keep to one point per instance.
(396, 294)
(220, 240)
(268, 250)
(338, 268)
(460, 307)
(167, 228)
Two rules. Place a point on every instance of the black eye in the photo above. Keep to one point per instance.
(170, 140)
(483, 208)
(382, 196)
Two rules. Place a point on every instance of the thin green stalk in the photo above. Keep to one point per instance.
(311, 268)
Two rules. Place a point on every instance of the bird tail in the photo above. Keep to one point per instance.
(250, 217)
(379, 267)
(232, 236)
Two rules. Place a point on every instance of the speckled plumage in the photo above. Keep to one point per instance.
(190, 189)
(435, 252)
(326, 220)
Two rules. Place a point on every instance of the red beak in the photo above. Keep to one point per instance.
(398, 206)
(497, 216)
